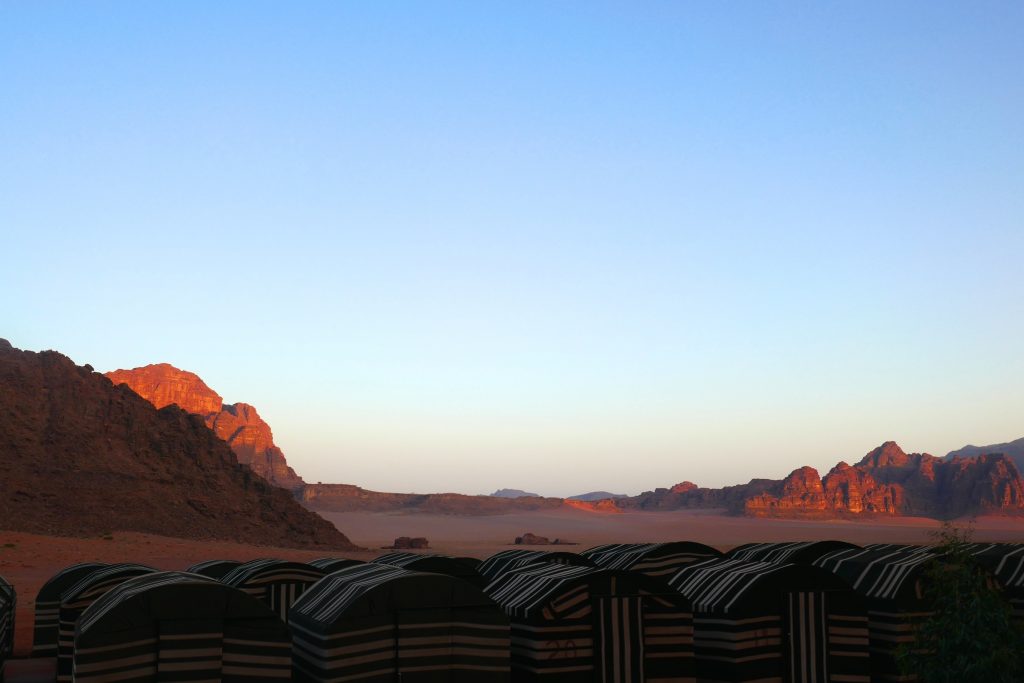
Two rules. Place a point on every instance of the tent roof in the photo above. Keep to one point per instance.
(882, 571)
(101, 578)
(1004, 560)
(459, 567)
(626, 555)
(333, 564)
(269, 571)
(800, 552)
(508, 560)
(215, 569)
(65, 578)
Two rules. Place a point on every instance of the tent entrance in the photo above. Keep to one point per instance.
(619, 653)
(806, 651)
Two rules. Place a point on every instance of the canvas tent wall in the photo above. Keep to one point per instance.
(47, 609)
(8, 605)
(889, 579)
(378, 624)
(805, 552)
(76, 599)
(771, 622)
(460, 567)
(333, 564)
(177, 626)
(214, 569)
(278, 583)
(510, 560)
(1005, 561)
(573, 624)
(659, 560)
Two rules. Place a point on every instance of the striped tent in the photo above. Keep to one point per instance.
(574, 624)
(464, 568)
(214, 569)
(175, 626)
(333, 564)
(889, 578)
(76, 599)
(660, 560)
(8, 603)
(805, 552)
(771, 622)
(47, 611)
(278, 583)
(510, 560)
(379, 624)
(1005, 561)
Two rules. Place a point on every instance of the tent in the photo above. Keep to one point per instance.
(660, 560)
(464, 568)
(805, 552)
(8, 603)
(214, 569)
(79, 596)
(1005, 561)
(278, 583)
(576, 624)
(510, 560)
(177, 626)
(379, 624)
(759, 621)
(47, 610)
(333, 564)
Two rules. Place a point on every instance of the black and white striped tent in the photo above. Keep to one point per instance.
(1005, 561)
(464, 568)
(376, 623)
(176, 626)
(76, 599)
(278, 583)
(660, 560)
(510, 560)
(8, 604)
(47, 610)
(333, 564)
(214, 569)
(773, 622)
(577, 624)
(889, 577)
(804, 552)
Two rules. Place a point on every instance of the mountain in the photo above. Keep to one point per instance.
(81, 456)
(514, 493)
(237, 423)
(1014, 450)
(594, 496)
(349, 498)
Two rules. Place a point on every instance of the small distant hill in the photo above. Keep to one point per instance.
(514, 493)
(594, 496)
(1014, 450)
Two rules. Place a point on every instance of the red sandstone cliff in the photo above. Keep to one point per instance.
(238, 424)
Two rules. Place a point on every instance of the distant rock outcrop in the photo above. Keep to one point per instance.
(238, 424)
(595, 496)
(514, 493)
(1014, 450)
(79, 455)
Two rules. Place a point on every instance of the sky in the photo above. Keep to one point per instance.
(560, 247)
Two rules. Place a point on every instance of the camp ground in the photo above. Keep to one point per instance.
(47, 609)
(76, 599)
(214, 569)
(460, 567)
(660, 560)
(578, 624)
(804, 552)
(377, 623)
(8, 603)
(758, 621)
(510, 560)
(182, 627)
(1006, 562)
(333, 564)
(278, 583)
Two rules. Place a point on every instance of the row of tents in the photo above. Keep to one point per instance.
(624, 613)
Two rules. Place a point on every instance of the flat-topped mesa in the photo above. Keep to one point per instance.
(237, 423)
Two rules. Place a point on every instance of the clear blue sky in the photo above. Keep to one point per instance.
(554, 246)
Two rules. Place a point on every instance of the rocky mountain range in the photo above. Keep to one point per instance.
(80, 455)
(514, 493)
(1012, 449)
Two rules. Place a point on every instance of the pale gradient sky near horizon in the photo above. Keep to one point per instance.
(553, 246)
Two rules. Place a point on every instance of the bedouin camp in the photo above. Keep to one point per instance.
(1005, 561)
(889, 579)
(278, 583)
(180, 626)
(47, 609)
(660, 560)
(799, 552)
(377, 623)
(8, 605)
(578, 624)
(464, 568)
(332, 564)
(510, 560)
(76, 599)
(760, 621)
(214, 569)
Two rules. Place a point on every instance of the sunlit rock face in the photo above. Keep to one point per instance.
(238, 423)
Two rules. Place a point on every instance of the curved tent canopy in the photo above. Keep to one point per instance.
(214, 569)
(8, 603)
(47, 610)
(579, 624)
(278, 583)
(1005, 561)
(511, 560)
(206, 629)
(400, 621)
(805, 552)
(882, 572)
(333, 564)
(458, 567)
(76, 599)
(652, 559)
